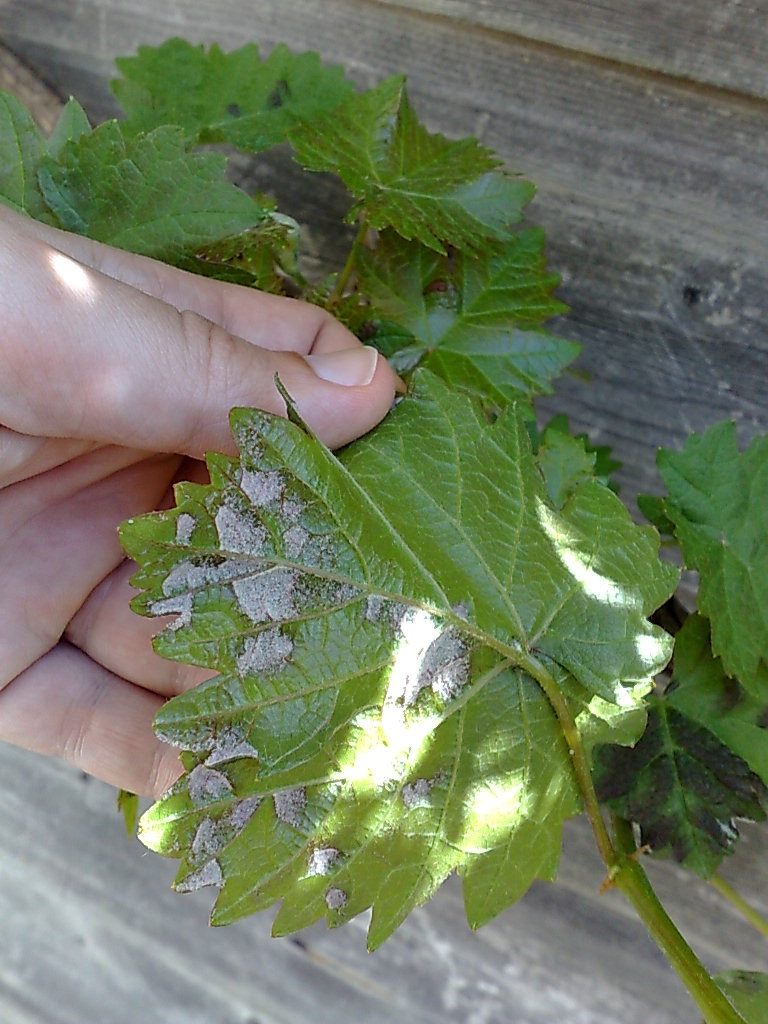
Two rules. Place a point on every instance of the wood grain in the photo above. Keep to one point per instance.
(715, 42)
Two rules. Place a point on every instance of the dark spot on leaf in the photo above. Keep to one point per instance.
(691, 294)
(279, 94)
(233, 109)
(731, 695)
(762, 719)
(436, 286)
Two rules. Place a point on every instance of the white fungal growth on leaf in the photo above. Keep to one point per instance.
(428, 654)
(206, 785)
(374, 605)
(230, 745)
(209, 874)
(290, 805)
(267, 596)
(268, 651)
(208, 840)
(416, 794)
(238, 532)
(294, 539)
(243, 811)
(322, 860)
(262, 487)
(335, 899)
(185, 524)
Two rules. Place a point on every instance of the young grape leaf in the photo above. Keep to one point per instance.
(235, 97)
(145, 194)
(605, 465)
(718, 501)
(701, 690)
(22, 147)
(471, 318)
(565, 464)
(425, 186)
(682, 786)
(263, 257)
(377, 620)
(73, 122)
(748, 992)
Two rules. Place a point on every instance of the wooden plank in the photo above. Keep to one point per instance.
(91, 932)
(43, 103)
(719, 42)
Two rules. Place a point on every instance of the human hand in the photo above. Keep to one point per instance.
(118, 373)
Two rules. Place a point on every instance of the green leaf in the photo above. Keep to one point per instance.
(22, 147)
(425, 186)
(226, 97)
(471, 318)
(264, 257)
(145, 194)
(748, 992)
(683, 787)
(373, 618)
(128, 805)
(654, 509)
(718, 501)
(73, 122)
(565, 465)
(604, 464)
(703, 691)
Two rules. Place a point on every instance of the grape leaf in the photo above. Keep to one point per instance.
(235, 97)
(439, 191)
(373, 618)
(73, 122)
(604, 464)
(748, 992)
(682, 786)
(470, 317)
(718, 501)
(145, 194)
(22, 147)
(701, 690)
(263, 257)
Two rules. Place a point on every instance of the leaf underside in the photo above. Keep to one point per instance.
(373, 726)
(683, 787)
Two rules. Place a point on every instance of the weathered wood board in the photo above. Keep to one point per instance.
(644, 127)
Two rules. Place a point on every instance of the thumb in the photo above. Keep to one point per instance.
(90, 357)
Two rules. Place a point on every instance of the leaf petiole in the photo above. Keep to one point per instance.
(754, 917)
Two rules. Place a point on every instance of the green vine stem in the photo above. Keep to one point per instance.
(754, 917)
(624, 871)
(349, 266)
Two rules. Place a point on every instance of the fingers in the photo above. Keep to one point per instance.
(67, 706)
(87, 356)
(59, 540)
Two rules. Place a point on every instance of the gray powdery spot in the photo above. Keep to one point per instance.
(268, 651)
(208, 840)
(243, 811)
(267, 596)
(207, 785)
(446, 665)
(185, 524)
(322, 860)
(230, 745)
(290, 805)
(416, 794)
(294, 539)
(262, 486)
(374, 605)
(335, 899)
(239, 533)
(179, 605)
(208, 874)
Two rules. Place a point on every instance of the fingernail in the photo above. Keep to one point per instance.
(353, 367)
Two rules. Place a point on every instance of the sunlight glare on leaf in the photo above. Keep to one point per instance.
(577, 562)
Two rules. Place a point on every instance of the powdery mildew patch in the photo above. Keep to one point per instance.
(262, 487)
(290, 805)
(268, 651)
(238, 532)
(267, 596)
(416, 794)
(206, 785)
(322, 860)
(230, 745)
(335, 899)
(209, 874)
